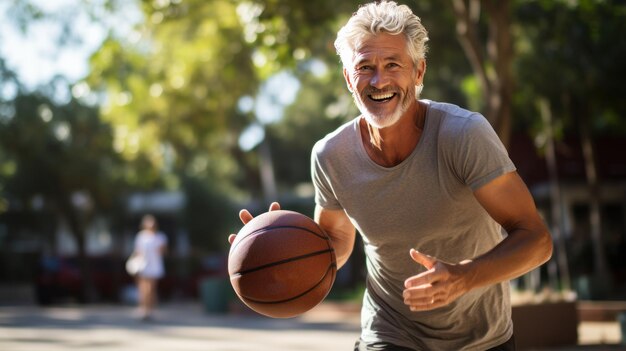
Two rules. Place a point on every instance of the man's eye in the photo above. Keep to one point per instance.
(364, 68)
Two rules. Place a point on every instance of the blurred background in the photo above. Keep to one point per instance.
(193, 109)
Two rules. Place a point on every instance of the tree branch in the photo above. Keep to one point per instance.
(467, 34)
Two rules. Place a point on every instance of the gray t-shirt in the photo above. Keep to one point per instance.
(427, 203)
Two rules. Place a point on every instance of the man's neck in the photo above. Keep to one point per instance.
(396, 142)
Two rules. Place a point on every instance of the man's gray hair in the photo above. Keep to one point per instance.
(381, 17)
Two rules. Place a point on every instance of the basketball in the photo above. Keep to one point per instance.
(281, 264)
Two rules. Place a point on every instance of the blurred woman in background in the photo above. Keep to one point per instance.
(151, 245)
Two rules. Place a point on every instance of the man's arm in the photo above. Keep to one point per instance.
(341, 231)
(528, 245)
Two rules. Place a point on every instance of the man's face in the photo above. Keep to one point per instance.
(383, 79)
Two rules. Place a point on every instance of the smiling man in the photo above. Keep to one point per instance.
(445, 219)
(431, 190)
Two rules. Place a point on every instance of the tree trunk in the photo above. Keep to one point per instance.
(555, 196)
(595, 201)
(496, 83)
(72, 217)
(500, 51)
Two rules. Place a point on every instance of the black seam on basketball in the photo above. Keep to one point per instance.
(256, 232)
(261, 230)
(330, 269)
(276, 263)
(267, 229)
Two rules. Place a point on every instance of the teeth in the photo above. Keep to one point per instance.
(381, 96)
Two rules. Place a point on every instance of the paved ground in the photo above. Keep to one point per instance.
(176, 327)
(187, 327)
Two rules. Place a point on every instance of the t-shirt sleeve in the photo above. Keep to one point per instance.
(478, 154)
(324, 195)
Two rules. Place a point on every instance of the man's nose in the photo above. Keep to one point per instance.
(379, 79)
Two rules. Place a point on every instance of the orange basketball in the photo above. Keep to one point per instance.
(282, 264)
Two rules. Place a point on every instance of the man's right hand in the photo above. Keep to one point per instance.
(246, 217)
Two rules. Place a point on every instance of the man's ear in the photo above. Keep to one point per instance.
(347, 78)
(420, 72)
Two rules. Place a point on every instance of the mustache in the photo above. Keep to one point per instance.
(372, 90)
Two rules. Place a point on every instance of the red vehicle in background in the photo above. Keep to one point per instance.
(59, 279)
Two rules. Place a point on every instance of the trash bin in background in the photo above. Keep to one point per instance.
(216, 294)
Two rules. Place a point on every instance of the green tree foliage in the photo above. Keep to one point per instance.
(55, 149)
(57, 160)
(172, 87)
(210, 215)
(323, 105)
(571, 54)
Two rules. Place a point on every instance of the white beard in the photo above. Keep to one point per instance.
(383, 121)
